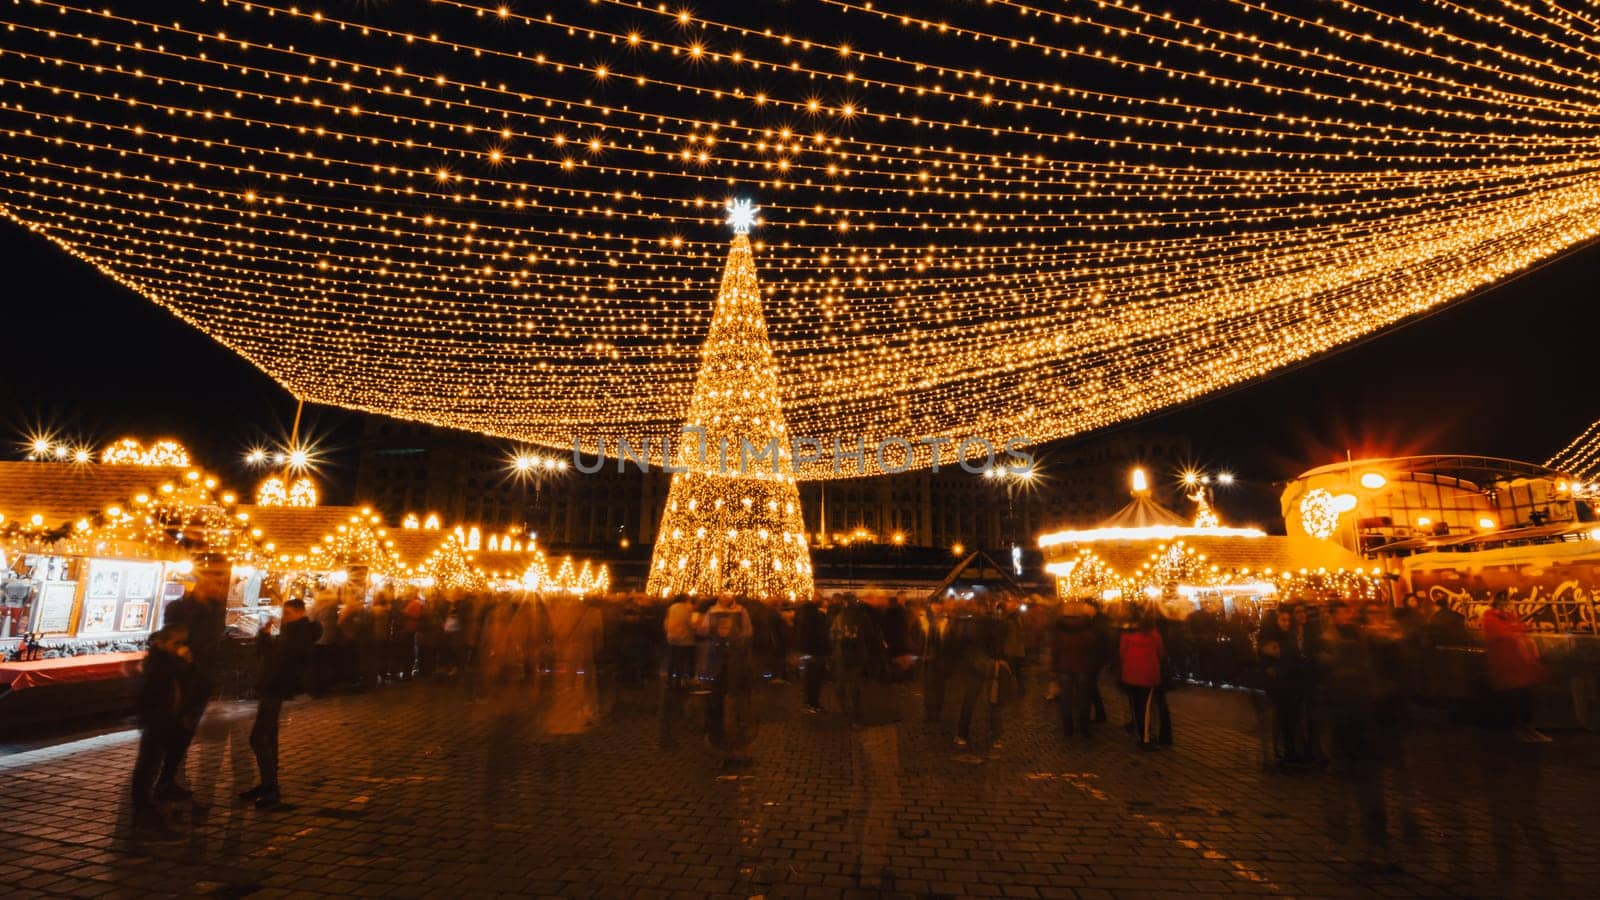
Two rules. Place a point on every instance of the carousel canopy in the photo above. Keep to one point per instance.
(1143, 512)
(1143, 520)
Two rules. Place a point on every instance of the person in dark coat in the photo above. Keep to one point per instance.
(160, 701)
(1105, 642)
(974, 652)
(730, 718)
(811, 639)
(202, 613)
(284, 660)
(1287, 672)
(1074, 659)
(896, 636)
(1446, 627)
(858, 650)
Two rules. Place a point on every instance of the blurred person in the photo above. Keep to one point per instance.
(730, 719)
(576, 638)
(975, 654)
(452, 613)
(815, 646)
(934, 624)
(1361, 755)
(1205, 643)
(1143, 656)
(355, 637)
(511, 643)
(1013, 641)
(1174, 632)
(202, 613)
(1446, 627)
(897, 638)
(680, 633)
(284, 659)
(1308, 634)
(1286, 670)
(858, 651)
(159, 704)
(1074, 660)
(633, 643)
(766, 644)
(1236, 656)
(375, 661)
(1105, 644)
(679, 627)
(477, 621)
(325, 655)
(782, 640)
(1514, 666)
(1447, 661)
(408, 634)
(1513, 766)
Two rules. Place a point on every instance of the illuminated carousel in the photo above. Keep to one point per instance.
(1146, 551)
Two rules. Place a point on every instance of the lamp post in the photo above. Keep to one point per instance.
(1011, 480)
(529, 467)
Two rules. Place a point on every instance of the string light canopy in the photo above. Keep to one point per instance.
(998, 219)
(1580, 457)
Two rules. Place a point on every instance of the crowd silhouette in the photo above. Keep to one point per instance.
(1341, 688)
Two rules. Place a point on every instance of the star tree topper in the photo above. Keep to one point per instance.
(741, 215)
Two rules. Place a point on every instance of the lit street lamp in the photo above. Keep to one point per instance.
(529, 467)
(1012, 479)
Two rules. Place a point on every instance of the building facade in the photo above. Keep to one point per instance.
(407, 468)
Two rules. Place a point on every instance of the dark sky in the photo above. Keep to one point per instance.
(1506, 373)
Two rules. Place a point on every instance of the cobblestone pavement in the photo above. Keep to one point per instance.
(411, 791)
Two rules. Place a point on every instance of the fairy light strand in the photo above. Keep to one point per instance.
(511, 222)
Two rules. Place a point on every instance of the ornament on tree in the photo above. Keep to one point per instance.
(732, 521)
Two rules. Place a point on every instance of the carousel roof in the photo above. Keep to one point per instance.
(1141, 522)
(1227, 554)
(1143, 512)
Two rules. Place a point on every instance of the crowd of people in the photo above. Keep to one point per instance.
(1337, 684)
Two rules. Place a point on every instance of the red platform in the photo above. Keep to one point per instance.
(18, 676)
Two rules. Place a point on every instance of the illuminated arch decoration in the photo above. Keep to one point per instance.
(999, 220)
(272, 492)
(130, 452)
(303, 493)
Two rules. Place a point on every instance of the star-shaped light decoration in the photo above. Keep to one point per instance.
(741, 215)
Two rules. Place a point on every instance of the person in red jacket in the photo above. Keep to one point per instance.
(1074, 659)
(1514, 666)
(1143, 655)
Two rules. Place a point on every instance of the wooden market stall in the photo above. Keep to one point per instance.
(92, 555)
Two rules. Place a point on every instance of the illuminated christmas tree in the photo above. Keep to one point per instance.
(732, 521)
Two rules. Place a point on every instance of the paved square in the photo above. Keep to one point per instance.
(413, 791)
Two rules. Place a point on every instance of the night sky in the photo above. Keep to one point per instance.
(1503, 374)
